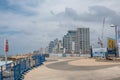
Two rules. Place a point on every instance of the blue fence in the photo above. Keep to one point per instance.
(99, 54)
(111, 53)
(15, 70)
(1, 74)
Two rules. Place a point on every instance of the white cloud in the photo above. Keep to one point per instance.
(38, 29)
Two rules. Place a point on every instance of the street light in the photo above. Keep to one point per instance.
(116, 36)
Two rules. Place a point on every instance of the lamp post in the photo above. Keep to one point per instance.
(116, 36)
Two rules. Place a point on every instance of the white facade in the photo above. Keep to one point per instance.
(68, 41)
(82, 40)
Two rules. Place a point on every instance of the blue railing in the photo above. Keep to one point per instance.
(15, 70)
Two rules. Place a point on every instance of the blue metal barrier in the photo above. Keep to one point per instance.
(37, 60)
(99, 54)
(43, 57)
(23, 66)
(18, 68)
(28, 66)
(112, 53)
(17, 71)
(40, 60)
(1, 77)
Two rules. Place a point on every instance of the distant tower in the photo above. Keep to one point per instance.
(68, 40)
(60, 47)
(82, 40)
(51, 46)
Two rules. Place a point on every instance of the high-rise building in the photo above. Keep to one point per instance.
(60, 47)
(77, 41)
(55, 42)
(82, 44)
(55, 49)
(51, 46)
(68, 41)
(55, 46)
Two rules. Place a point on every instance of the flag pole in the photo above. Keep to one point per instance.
(6, 58)
(6, 50)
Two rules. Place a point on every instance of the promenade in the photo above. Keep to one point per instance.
(75, 69)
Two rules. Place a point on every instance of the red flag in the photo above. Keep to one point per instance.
(6, 47)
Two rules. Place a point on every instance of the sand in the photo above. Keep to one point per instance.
(91, 62)
(45, 73)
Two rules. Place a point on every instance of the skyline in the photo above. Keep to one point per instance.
(32, 24)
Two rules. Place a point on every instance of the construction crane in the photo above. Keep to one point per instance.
(100, 40)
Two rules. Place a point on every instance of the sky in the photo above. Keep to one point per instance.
(32, 24)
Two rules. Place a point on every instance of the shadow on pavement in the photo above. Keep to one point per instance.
(66, 67)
